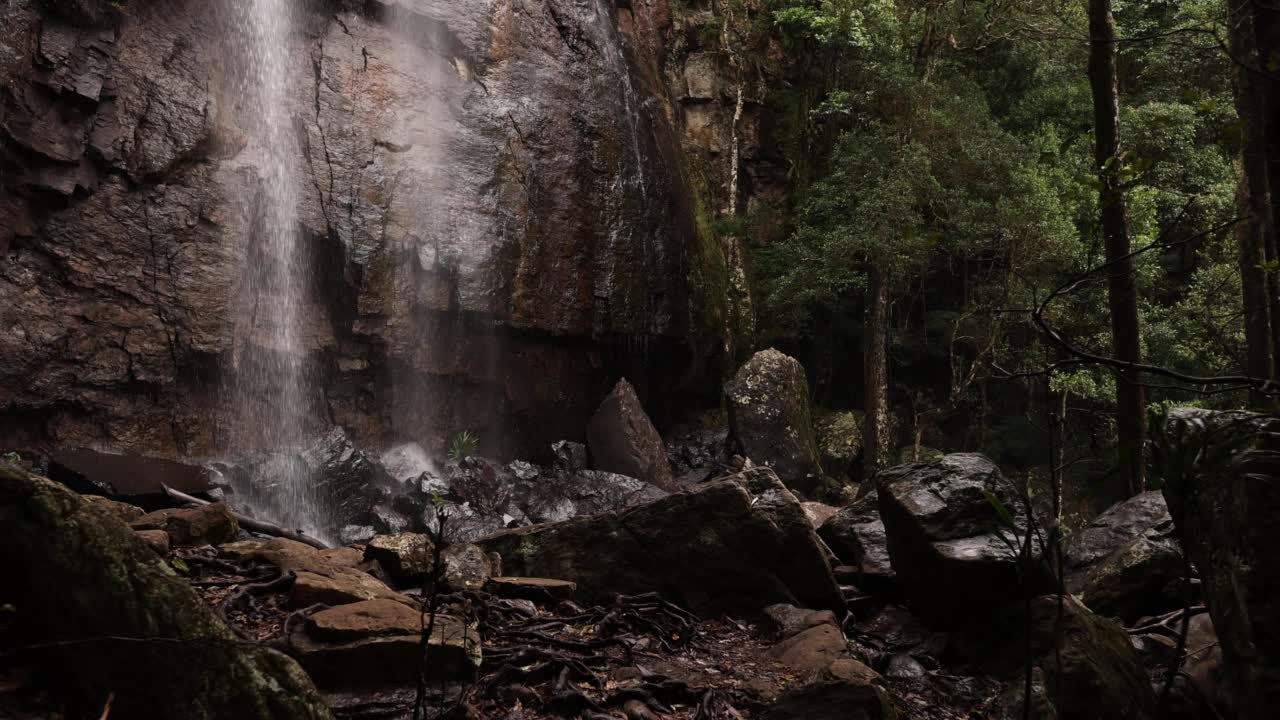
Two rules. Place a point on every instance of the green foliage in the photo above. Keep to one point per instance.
(951, 144)
(1006, 517)
(846, 23)
(465, 444)
(929, 182)
(709, 34)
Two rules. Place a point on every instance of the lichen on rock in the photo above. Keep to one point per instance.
(125, 623)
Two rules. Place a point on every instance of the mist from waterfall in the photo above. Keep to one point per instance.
(440, 247)
(271, 403)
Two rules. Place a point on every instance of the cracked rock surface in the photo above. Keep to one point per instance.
(489, 192)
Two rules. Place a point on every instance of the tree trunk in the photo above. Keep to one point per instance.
(1262, 19)
(875, 431)
(1257, 315)
(1265, 15)
(1121, 285)
(1261, 308)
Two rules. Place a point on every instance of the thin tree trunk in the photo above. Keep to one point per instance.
(1257, 315)
(1261, 306)
(1121, 286)
(1272, 255)
(1265, 15)
(875, 431)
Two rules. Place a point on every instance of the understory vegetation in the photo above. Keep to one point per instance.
(963, 196)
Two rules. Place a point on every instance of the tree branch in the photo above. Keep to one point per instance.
(1263, 385)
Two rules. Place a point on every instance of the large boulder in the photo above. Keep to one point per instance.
(1090, 667)
(1144, 577)
(76, 573)
(345, 480)
(562, 495)
(1120, 524)
(720, 547)
(406, 557)
(157, 540)
(138, 478)
(1221, 474)
(328, 486)
(624, 441)
(483, 497)
(465, 567)
(122, 510)
(696, 445)
(1127, 562)
(892, 632)
(811, 651)
(810, 559)
(769, 420)
(377, 643)
(818, 513)
(480, 497)
(322, 575)
(856, 535)
(955, 530)
(211, 524)
(839, 438)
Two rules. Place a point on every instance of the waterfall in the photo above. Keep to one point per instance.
(439, 245)
(271, 404)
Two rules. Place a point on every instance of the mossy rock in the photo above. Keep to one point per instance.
(738, 544)
(78, 575)
(1095, 675)
(839, 437)
(769, 420)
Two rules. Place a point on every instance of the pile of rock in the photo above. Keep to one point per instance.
(941, 567)
(740, 543)
(76, 575)
(1127, 563)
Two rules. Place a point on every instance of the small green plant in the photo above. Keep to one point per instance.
(465, 444)
(709, 35)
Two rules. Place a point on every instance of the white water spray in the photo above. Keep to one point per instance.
(272, 403)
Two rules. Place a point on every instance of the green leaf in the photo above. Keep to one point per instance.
(1003, 511)
(465, 444)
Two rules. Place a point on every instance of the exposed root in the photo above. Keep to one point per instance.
(282, 581)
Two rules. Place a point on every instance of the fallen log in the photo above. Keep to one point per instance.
(254, 524)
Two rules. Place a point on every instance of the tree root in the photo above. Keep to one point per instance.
(543, 660)
(282, 581)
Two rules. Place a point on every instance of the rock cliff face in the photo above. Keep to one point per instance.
(499, 207)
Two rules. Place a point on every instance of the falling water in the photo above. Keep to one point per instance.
(440, 244)
(271, 374)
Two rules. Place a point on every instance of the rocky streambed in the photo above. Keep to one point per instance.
(728, 598)
(632, 577)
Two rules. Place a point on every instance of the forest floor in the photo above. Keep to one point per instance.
(640, 658)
